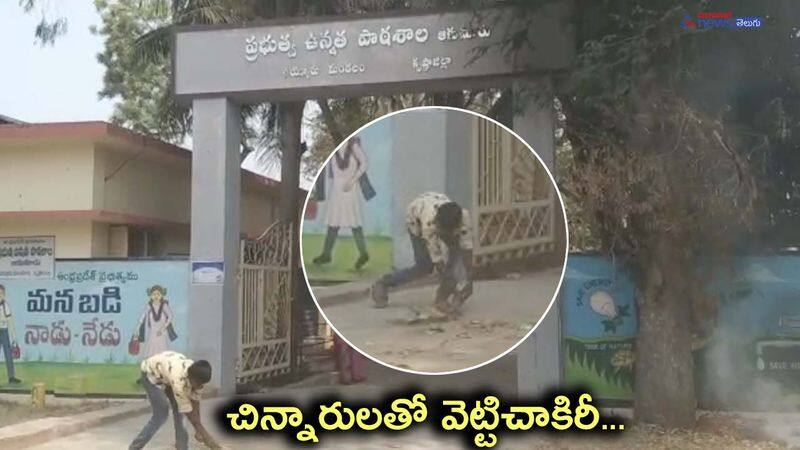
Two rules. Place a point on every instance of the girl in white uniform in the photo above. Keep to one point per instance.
(346, 201)
(155, 326)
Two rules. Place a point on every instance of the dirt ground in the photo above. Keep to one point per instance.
(714, 431)
(119, 434)
(646, 437)
(637, 438)
(494, 319)
(19, 409)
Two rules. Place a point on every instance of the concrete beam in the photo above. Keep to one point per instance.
(539, 365)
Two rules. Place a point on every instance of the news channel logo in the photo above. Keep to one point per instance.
(719, 20)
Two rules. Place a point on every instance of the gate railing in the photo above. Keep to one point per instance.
(265, 304)
(513, 199)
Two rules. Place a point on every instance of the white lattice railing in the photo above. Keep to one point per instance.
(513, 199)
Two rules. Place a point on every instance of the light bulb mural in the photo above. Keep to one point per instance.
(602, 302)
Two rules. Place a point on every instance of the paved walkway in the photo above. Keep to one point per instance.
(498, 315)
(500, 376)
(118, 435)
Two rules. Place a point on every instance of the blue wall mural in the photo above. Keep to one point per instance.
(376, 140)
(377, 216)
(90, 310)
(75, 331)
(599, 326)
(751, 361)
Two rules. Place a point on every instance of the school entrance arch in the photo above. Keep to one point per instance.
(217, 69)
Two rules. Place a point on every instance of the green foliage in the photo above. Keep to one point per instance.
(752, 79)
(137, 80)
(349, 114)
(48, 29)
(739, 84)
(677, 144)
(77, 378)
(137, 59)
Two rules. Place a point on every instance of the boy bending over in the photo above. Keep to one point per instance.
(441, 240)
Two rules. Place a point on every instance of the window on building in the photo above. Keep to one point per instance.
(139, 243)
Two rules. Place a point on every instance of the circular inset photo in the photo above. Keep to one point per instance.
(434, 240)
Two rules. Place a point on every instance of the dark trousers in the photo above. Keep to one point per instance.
(161, 401)
(5, 343)
(333, 233)
(454, 272)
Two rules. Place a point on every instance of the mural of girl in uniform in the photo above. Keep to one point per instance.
(155, 328)
(349, 189)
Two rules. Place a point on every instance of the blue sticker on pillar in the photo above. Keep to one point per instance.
(208, 272)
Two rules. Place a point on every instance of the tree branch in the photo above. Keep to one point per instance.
(330, 121)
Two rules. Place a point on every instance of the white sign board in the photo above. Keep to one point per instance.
(27, 257)
(208, 272)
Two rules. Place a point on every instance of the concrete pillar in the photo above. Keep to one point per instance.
(539, 364)
(213, 308)
(458, 181)
(430, 153)
(418, 165)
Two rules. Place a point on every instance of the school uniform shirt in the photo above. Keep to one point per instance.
(421, 222)
(5, 314)
(171, 369)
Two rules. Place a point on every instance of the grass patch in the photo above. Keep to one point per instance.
(344, 256)
(577, 374)
(77, 378)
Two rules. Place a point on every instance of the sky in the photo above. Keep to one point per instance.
(59, 83)
(53, 83)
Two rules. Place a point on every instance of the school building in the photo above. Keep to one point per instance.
(106, 192)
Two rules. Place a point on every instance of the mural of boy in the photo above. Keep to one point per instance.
(8, 337)
(441, 239)
(155, 328)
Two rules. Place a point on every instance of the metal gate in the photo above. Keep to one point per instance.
(513, 200)
(265, 304)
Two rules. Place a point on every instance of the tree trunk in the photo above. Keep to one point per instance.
(330, 122)
(665, 392)
(290, 117)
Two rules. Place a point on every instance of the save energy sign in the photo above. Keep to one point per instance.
(27, 257)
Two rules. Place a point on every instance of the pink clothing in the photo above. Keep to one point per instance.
(350, 363)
